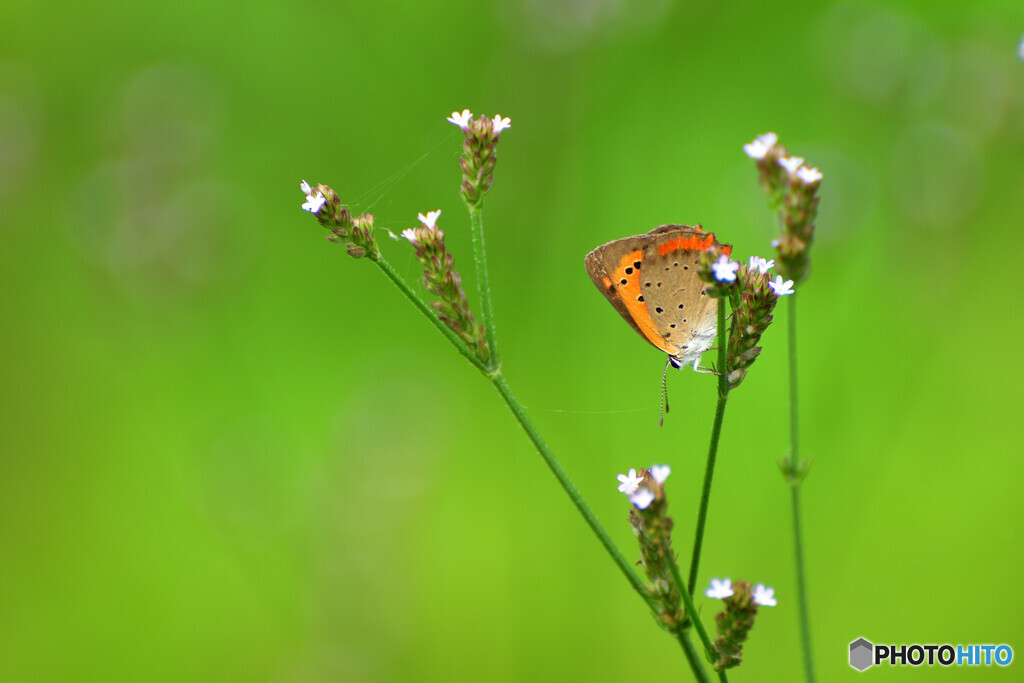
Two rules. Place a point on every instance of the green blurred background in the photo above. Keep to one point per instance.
(229, 452)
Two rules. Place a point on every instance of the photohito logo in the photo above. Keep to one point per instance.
(864, 654)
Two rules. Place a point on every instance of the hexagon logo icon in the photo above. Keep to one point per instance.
(861, 654)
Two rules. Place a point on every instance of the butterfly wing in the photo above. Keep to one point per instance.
(683, 314)
(652, 282)
(614, 269)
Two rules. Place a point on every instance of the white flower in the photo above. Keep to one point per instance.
(313, 204)
(720, 590)
(461, 120)
(501, 124)
(808, 175)
(306, 189)
(725, 270)
(791, 163)
(429, 220)
(761, 265)
(1020, 48)
(761, 145)
(764, 596)
(410, 234)
(781, 288)
(642, 498)
(660, 473)
(392, 235)
(630, 482)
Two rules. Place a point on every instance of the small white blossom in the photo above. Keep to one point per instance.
(808, 175)
(501, 124)
(642, 498)
(306, 189)
(762, 265)
(725, 270)
(313, 204)
(791, 163)
(1020, 48)
(720, 590)
(429, 220)
(764, 596)
(660, 473)
(461, 120)
(761, 145)
(781, 288)
(630, 482)
(393, 235)
(410, 234)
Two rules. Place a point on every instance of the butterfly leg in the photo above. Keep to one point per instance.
(705, 371)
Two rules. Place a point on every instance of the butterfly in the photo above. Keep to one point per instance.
(652, 282)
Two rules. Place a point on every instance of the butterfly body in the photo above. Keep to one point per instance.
(652, 281)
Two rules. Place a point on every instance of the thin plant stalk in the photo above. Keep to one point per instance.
(552, 462)
(683, 636)
(426, 310)
(520, 414)
(716, 432)
(795, 479)
(691, 612)
(492, 369)
(483, 283)
(498, 380)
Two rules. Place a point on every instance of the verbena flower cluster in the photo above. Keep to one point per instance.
(653, 527)
(355, 232)
(442, 279)
(734, 623)
(792, 190)
(479, 158)
(752, 294)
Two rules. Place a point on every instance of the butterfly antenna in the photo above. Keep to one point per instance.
(664, 394)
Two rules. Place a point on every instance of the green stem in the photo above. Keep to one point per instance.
(794, 412)
(483, 284)
(520, 414)
(492, 370)
(691, 612)
(795, 478)
(682, 635)
(429, 312)
(801, 585)
(716, 432)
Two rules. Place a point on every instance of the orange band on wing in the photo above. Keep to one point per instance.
(692, 243)
(630, 294)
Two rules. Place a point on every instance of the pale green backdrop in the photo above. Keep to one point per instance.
(229, 452)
